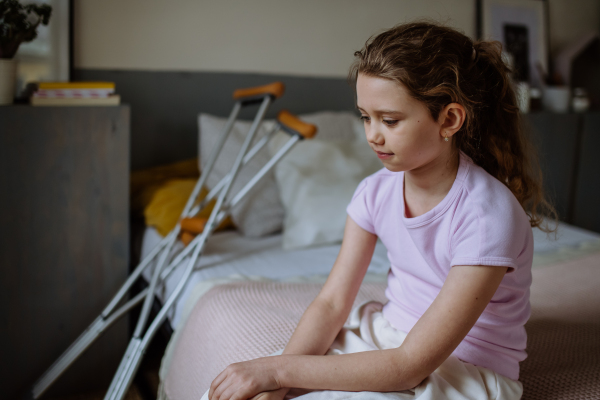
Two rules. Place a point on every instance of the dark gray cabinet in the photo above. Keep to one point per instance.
(568, 146)
(64, 240)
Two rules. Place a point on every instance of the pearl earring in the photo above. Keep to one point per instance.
(445, 136)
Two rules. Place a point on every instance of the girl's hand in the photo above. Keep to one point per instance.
(244, 380)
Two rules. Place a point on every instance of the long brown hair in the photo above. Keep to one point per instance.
(439, 66)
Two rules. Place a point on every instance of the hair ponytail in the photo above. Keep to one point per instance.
(438, 66)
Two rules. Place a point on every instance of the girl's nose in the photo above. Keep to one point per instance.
(374, 135)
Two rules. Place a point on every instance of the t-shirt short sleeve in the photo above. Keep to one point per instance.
(360, 209)
(494, 236)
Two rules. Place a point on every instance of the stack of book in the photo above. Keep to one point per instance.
(75, 94)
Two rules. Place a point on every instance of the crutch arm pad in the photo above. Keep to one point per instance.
(295, 124)
(193, 225)
(274, 89)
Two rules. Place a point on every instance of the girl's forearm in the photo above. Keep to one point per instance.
(315, 332)
(317, 329)
(375, 371)
(465, 294)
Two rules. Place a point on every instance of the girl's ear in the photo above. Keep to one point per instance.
(451, 119)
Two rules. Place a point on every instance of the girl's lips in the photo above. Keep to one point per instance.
(383, 155)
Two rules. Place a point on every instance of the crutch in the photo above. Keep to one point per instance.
(263, 95)
(138, 344)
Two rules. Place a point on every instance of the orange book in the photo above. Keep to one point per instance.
(76, 85)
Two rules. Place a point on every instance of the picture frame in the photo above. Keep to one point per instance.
(521, 26)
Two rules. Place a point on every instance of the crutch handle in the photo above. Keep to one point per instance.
(193, 225)
(274, 89)
(296, 125)
(186, 237)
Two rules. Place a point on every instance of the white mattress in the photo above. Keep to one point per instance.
(228, 253)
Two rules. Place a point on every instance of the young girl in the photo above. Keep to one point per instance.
(454, 206)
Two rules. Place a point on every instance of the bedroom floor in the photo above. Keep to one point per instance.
(145, 385)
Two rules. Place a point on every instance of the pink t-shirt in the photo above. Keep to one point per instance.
(479, 222)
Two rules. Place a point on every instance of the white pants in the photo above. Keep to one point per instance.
(454, 379)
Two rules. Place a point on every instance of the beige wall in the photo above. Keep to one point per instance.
(294, 37)
(570, 19)
(307, 37)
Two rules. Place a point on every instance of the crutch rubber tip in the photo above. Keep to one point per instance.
(193, 224)
(296, 125)
(274, 89)
(186, 237)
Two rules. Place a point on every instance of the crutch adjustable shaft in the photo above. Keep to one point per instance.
(286, 121)
(131, 361)
(141, 323)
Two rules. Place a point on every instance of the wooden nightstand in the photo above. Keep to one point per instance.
(64, 240)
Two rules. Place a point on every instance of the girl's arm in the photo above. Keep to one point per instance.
(463, 297)
(326, 315)
(323, 319)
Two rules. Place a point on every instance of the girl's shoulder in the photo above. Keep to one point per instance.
(483, 191)
(489, 204)
(489, 225)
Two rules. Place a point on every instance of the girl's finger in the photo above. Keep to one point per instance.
(229, 392)
(216, 382)
(225, 390)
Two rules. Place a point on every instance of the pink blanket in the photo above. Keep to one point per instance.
(242, 321)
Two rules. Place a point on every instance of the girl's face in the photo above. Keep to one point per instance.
(399, 128)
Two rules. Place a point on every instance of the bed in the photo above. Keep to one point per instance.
(288, 234)
(277, 285)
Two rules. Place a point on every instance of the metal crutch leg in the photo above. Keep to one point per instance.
(109, 315)
(132, 360)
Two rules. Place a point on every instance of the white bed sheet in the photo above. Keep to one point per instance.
(230, 254)
(568, 236)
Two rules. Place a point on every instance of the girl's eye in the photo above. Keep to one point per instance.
(365, 118)
(390, 122)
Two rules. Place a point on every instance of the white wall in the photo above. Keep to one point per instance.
(307, 37)
(294, 37)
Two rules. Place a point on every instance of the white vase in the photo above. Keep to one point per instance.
(8, 80)
(557, 98)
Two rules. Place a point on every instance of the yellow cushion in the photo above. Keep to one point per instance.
(167, 204)
(144, 183)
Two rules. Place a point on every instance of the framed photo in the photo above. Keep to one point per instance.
(520, 25)
(48, 56)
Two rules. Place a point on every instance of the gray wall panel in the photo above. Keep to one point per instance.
(555, 137)
(165, 105)
(587, 193)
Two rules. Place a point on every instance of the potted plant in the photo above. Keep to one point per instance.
(18, 24)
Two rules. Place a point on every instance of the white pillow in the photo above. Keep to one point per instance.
(316, 181)
(261, 212)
